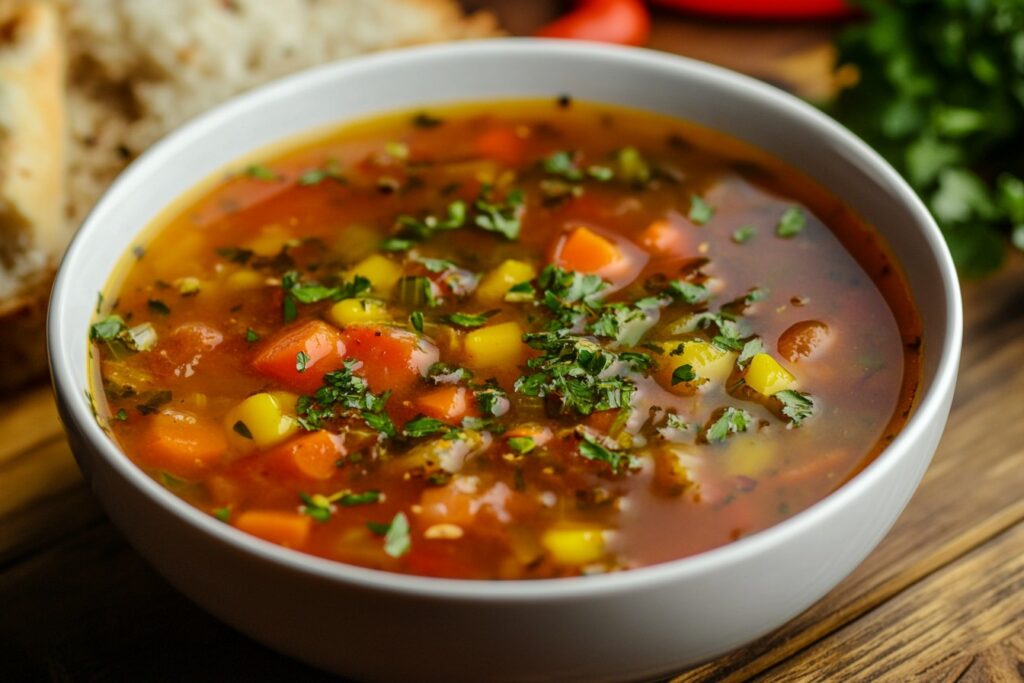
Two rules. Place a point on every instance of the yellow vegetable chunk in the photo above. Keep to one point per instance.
(359, 311)
(245, 279)
(382, 272)
(749, 455)
(495, 346)
(268, 418)
(496, 283)
(710, 363)
(569, 545)
(767, 377)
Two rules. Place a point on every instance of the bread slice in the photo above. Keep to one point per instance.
(33, 231)
(139, 68)
(136, 69)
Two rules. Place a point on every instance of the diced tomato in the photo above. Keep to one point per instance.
(502, 144)
(603, 420)
(180, 443)
(180, 352)
(289, 529)
(311, 456)
(448, 403)
(665, 238)
(279, 359)
(392, 358)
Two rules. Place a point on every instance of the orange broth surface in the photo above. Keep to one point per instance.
(507, 341)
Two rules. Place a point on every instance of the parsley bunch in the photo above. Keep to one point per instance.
(941, 95)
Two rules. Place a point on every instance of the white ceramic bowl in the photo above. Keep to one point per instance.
(636, 624)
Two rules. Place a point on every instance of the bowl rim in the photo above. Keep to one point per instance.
(61, 347)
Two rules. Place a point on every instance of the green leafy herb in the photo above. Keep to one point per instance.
(633, 168)
(521, 444)
(795, 405)
(684, 373)
(590, 449)
(744, 234)
(446, 373)
(222, 514)
(242, 429)
(344, 395)
(424, 426)
(107, 329)
(364, 498)
(492, 400)
(121, 415)
(791, 223)
(749, 350)
(397, 541)
(700, 211)
(520, 292)
(470, 320)
(314, 176)
(316, 506)
(251, 336)
(687, 292)
(731, 421)
(939, 94)
(260, 172)
(301, 360)
(417, 290)
(416, 320)
(504, 218)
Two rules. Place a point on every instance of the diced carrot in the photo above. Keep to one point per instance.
(392, 358)
(180, 443)
(586, 251)
(665, 238)
(289, 529)
(223, 490)
(311, 456)
(502, 144)
(448, 403)
(278, 357)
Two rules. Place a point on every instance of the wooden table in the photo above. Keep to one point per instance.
(941, 599)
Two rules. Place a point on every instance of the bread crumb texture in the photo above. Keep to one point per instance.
(139, 68)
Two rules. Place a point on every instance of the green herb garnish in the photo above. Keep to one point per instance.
(731, 421)
(795, 405)
(791, 222)
(700, 211)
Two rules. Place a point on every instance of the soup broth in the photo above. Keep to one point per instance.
(513, 340)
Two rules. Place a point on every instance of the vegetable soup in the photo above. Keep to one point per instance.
(521, 340)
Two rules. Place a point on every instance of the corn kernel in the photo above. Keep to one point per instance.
(244, 279)
(359, 311)
(767, 377)
(495, 346)
(496, 283)
(709, 362)
(262, 420)
(382, 272)
(574, 545)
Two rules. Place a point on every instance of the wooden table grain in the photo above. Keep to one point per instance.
(941, 599)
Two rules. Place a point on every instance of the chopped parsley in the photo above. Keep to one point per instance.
(590, 449)
(424, 426)
(416, 320)
(301, 360)
(521, 444)
(316, 506)
(107, 329)
(470, 320)
(749, 350)
(684, 373)
(353, 499)
(345, 395)
(791, 222)
(700, 211)
(396, 539)
(261, 172)
(796, 406)
(251, 336)
(329, 171)
(744, 234)
(504, 218)
(731, 421)
(222, 514)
